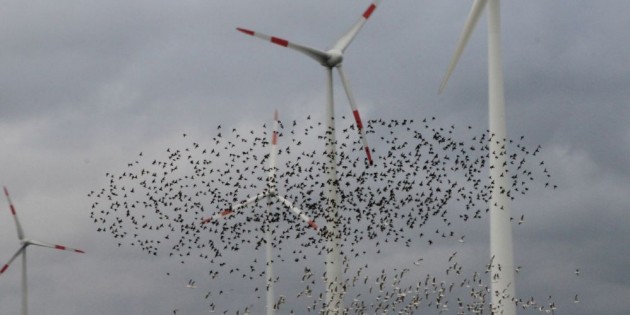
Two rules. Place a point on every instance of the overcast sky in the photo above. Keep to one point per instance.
(87, 85)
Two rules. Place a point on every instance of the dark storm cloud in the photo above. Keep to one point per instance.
(85, 87)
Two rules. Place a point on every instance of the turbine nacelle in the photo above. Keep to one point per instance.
(272, 191)
(335, 57)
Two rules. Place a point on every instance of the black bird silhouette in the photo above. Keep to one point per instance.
(425, 176)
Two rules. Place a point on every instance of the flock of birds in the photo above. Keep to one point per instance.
(427, 180)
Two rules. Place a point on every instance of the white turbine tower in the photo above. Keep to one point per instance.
(330, 59)
(501, 251)
(269, 193)
(22, 251)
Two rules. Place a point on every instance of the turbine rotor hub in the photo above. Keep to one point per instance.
(335, 57)
(272, 191)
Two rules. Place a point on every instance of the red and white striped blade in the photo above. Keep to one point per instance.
(473, 18)
(355, 113)
(6, 266)
(226, 212)
(55, 246)
(18, 226)
(316, 54)
(345, 40)
(298, 212)
(273, 154)
(222, 214)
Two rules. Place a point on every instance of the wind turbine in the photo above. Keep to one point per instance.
(330, 59)
(269, 193)
(22, 251)
(501, 251)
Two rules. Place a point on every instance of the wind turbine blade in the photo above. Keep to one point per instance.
(345, 40)
(355, 112)
(17, 222)
(316, 54)
(235, 207)
(6, 266)
(298, 212)
(271, 174)
(473, 17)
(55, 246)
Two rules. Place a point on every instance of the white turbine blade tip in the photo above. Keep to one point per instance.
(443, 85)
(471, 22)
(344, 41)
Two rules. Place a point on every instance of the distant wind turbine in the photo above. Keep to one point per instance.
(502, 268)
(268, 193)
(330, 59)
(22, 251)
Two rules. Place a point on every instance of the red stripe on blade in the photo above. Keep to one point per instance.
(312, 224)
(274, 138)
(226, 212)
(12, 209)
(60, 247)
(279, 41)
(6, 192)
(206, 220)
(369, 155)
(369, 11)
(79, 251)
(358, 119)
(248, 32)
(4, 268)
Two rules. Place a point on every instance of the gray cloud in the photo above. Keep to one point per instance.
(87, 86)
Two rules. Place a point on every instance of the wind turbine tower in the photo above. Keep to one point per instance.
(501, 252)
(25, 242)
(269, 193)
(330, 59)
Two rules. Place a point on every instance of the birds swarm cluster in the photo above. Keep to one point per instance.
(425, 176)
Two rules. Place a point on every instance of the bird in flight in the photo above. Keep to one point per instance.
(191, 284)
